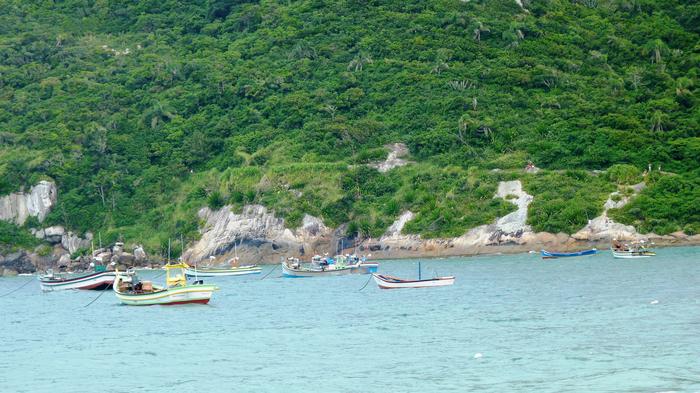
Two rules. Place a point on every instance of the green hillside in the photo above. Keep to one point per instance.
(144, 111)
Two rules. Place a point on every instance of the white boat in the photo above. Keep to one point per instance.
(98, 280)
(219, 272)
(632, 250)
(632, 254)
(389, 282)
(130, 291)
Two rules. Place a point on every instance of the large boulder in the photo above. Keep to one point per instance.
(139, 254)
(125, 259)
(64, 260)
(17, 262)
(103, 257)
(73, 242)
(54, 234)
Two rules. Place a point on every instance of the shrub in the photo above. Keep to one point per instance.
(623, 174)
(215, 201)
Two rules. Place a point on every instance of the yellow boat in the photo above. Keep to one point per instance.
(134, 292)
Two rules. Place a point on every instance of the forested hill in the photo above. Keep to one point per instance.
(143, 111)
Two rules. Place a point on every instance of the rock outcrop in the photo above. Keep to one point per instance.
(509, 230)
(604, 228)
(255, 234)
(73, 242)
(16, 263)
(19, 206)
(394, 159)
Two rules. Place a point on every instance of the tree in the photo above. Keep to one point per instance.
(513, 35)
(478, 28)
(655, 49)
(158, 114)
(658, 120)
(359, 61)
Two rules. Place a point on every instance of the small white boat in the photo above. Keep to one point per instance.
(389, 282)
(632, 254)
(98, 280)
(133, 292)
(220, 272)
(633, 250)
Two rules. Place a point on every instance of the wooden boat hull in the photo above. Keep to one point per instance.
(387, 282)
(239, 271)
(93, 281)
(549, 254)
(200, 293)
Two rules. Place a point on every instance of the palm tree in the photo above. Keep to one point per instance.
(513, 35)
(658, 119)
(683, 86)
(359, 62)
(656, 49)
(440, 65)
(247, 157)
(159, 113)
(479, 28)
(465, 124)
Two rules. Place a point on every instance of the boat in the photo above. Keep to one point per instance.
(100, 279)
(632, 250)
(222, 271)
(325, 266)
(389, 282)
(550, 254)
(230, 270)
(134, 292)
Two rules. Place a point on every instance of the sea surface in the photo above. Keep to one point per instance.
(510, 323)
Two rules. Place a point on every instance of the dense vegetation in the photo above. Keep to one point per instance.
(144, 111)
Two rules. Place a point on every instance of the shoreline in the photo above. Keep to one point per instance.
(396, 249)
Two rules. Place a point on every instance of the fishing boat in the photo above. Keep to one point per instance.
(632, 250)
(222, 271)
(550, 254)
(325, 266)
(389, 282)
(134, 292)
(231, 270)
(100, 279)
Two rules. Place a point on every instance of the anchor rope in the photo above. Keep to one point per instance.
(363, 287)
(98, 296)
(18, 288)
(268, 273)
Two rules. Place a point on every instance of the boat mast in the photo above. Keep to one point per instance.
(418, 270)
(168, 250)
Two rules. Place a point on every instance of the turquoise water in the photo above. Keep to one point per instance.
(510, 323)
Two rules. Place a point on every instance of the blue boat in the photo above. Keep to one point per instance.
(548, 254)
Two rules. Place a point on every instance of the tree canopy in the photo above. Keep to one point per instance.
(144, 111)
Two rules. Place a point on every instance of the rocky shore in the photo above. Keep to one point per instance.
(257, 235)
